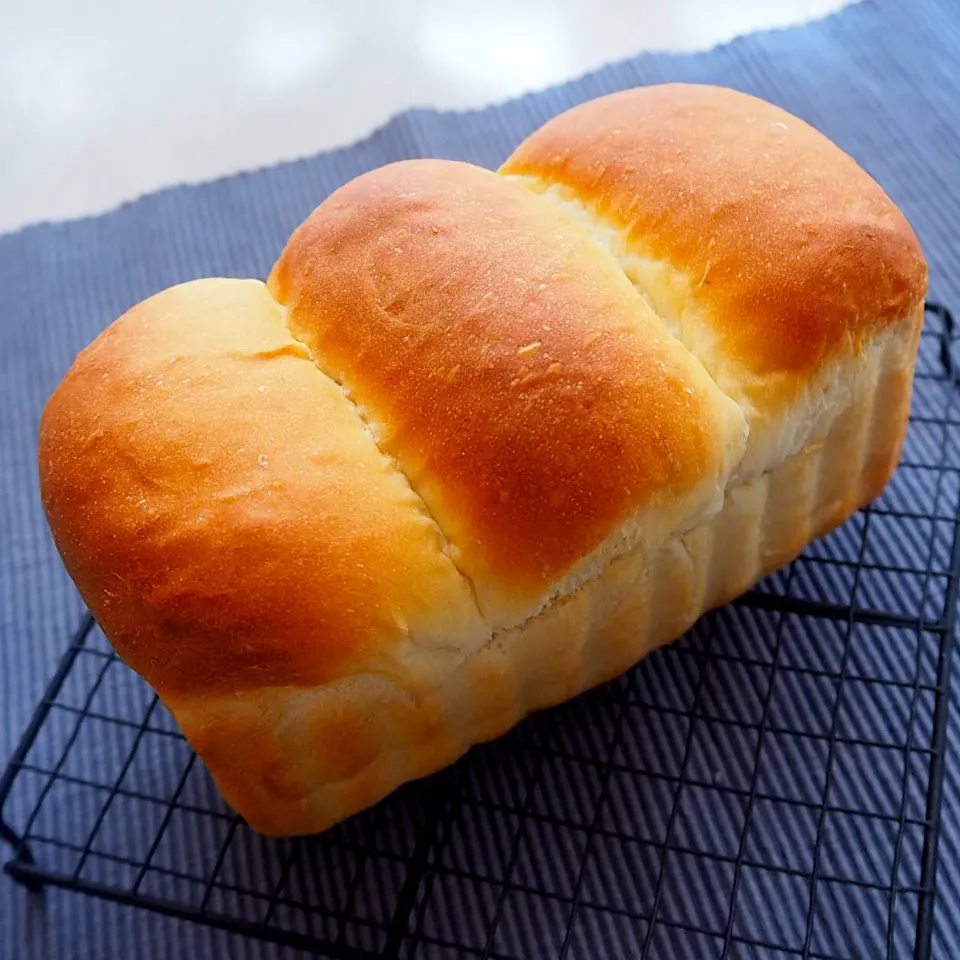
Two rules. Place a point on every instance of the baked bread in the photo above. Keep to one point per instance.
(483, 441)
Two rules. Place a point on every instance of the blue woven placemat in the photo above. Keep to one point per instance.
(880, 78)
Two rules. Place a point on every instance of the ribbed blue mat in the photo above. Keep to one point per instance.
(562, 851)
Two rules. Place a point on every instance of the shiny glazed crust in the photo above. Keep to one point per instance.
(472, 448)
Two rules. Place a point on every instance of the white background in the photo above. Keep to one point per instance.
(103, 100)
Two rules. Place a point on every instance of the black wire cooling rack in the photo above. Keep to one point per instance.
(768, 786)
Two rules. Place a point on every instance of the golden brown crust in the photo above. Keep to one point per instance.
(503, 359)
(790, 248)
(224, 514)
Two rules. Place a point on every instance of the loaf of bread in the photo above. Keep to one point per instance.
(482, 441)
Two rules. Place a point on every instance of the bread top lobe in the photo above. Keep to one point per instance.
(506, 364)
(788, 251)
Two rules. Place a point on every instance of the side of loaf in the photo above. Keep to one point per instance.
(483, 441)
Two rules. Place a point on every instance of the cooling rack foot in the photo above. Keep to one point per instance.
(23, 857)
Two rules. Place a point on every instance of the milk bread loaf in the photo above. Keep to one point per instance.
(483, 440)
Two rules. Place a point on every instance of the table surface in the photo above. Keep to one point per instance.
(102, 103)
(52, 170)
